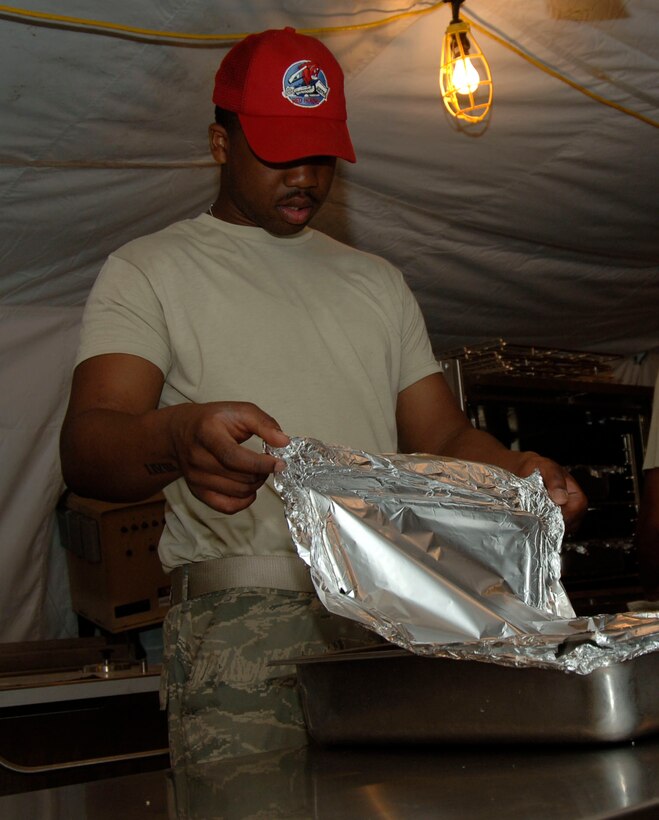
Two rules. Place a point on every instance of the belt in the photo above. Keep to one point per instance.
(270, 571)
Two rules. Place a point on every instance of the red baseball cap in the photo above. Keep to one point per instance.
(287, 90)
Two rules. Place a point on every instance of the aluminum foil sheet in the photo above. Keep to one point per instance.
(445, 557)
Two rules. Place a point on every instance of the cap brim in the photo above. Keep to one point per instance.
(283, 139)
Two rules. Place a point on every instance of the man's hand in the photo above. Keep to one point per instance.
(561, 487)
(219, 471)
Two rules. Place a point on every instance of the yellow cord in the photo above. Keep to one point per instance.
(209, 38)
(103, 164)
(221, 38)
(630, 112)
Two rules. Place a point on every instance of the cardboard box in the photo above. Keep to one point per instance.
(115, 575)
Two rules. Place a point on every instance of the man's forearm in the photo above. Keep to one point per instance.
(116, 456)
(471, 444)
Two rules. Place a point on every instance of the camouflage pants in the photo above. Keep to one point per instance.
(223, 698)
(267, 786)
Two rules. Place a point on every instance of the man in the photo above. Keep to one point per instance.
(193, 336)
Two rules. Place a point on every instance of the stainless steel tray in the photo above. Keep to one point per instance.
(388, 695)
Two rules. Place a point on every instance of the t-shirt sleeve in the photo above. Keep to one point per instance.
(418, 359)
(124, 315)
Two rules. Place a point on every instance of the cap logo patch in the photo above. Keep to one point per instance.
(305, 84)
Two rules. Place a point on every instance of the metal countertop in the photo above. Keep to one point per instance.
(448, 783)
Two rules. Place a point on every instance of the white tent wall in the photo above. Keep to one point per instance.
(540, 228)
(37, 346)
(535, 230)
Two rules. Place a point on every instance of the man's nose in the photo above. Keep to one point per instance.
(302, 175)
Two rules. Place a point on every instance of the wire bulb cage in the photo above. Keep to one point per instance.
(464, 76)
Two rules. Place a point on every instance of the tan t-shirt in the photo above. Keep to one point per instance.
(320, 336)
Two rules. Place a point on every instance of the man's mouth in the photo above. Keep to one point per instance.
(296, 210)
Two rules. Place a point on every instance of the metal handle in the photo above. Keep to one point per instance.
(72, 764)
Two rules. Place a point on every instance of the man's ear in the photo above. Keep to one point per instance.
(218, 140)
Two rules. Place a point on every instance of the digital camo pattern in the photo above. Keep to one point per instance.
(223, 699)
(266, 786)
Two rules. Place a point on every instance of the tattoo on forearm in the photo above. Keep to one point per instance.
(157, 469)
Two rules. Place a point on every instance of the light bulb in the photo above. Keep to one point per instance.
(465, 76)
(465, 81)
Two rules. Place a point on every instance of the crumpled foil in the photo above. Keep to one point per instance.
(446, 558)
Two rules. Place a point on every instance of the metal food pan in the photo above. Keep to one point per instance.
(388, 695)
